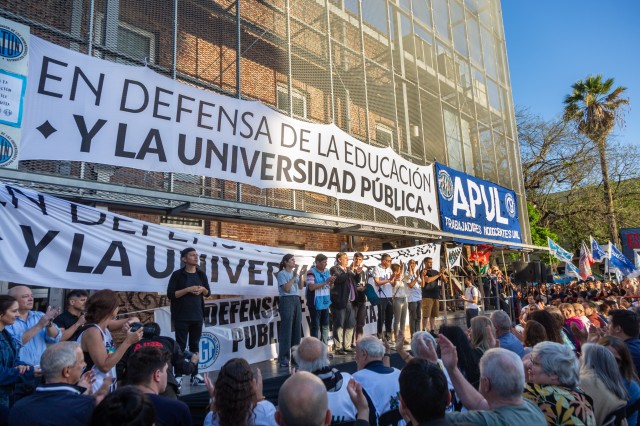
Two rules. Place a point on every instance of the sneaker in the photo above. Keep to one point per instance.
(284, 364)
(197, 380)
(350, 351)
(340, 352)
(179, 380)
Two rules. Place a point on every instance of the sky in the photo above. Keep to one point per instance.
(551, 44)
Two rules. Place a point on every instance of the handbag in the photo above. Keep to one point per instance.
(371, 294)
(322, 298)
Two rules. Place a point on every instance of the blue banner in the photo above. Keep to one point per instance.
(597, 252)
(476, 207)
(620, 262)
(558, 252)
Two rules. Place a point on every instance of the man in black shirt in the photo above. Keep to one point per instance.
(73, 317)
(147, 370)
(188, 286)
(430, 281)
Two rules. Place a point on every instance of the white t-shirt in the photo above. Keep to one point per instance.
(342, 409)
(383, 274)
(414, 293)
(470, 293)
(263, 415)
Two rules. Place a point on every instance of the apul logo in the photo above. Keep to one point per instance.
(445, 184)
(510, 203)
(12, 45)
(209, 350)
(8, 150)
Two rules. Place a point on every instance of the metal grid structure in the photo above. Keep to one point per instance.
(427, 77)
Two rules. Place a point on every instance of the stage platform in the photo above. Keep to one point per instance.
(273, 376)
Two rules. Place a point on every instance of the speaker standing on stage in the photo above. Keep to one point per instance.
(290, 308)
(188, 286)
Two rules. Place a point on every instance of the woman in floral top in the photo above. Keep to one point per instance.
(552, 374)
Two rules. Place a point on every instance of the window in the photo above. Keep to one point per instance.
(298, 98)
(131, 41)
(183, 223)
(384, 135)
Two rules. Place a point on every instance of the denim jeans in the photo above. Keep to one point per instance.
(470, 314)
(290, 326)
(319, 323)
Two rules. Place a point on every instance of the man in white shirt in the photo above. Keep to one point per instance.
(470, 300)
(379, 381)
(382, 278)
(311, 355)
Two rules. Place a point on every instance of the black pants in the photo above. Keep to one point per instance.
(191, 328)
(385, 315)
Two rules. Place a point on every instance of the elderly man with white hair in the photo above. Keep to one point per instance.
(499, 400)
(60, 401)
(508, 340)
(379, 381)
(312, 356)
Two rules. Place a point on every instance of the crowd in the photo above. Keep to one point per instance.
(554, 355)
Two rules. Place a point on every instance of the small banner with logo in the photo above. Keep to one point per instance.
(14, 65)
(454, 256)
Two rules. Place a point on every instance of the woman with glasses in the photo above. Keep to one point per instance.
(552, 375)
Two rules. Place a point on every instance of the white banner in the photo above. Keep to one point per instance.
(244, 327)
(454, 256)
(87, 109)
(51, 242)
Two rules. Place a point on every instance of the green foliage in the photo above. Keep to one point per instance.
(539, 233)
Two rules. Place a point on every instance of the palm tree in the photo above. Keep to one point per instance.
(595, 108)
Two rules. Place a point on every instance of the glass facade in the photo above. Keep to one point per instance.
(427, 77)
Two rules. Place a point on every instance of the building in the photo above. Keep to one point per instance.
(428, 78)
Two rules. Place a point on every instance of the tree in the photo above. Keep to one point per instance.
(563, 182)
(539, 233)
(595, 109)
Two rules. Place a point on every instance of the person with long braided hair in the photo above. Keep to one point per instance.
(237, 398)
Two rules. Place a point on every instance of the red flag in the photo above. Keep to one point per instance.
(586, 260)
(481, 254)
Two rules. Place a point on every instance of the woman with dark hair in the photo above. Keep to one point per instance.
(126, 406)
(468, 359)
(96, 342)
(621, 353)
(533, 334)
(290, 308)
(237, 398)
(12, 371)
(551, 326)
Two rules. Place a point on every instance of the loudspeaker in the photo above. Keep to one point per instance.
(535, 271)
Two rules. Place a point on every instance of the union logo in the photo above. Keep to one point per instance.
(510, 203)
(445, 185)
(209, 350)
(8, 150)
(12, 46)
